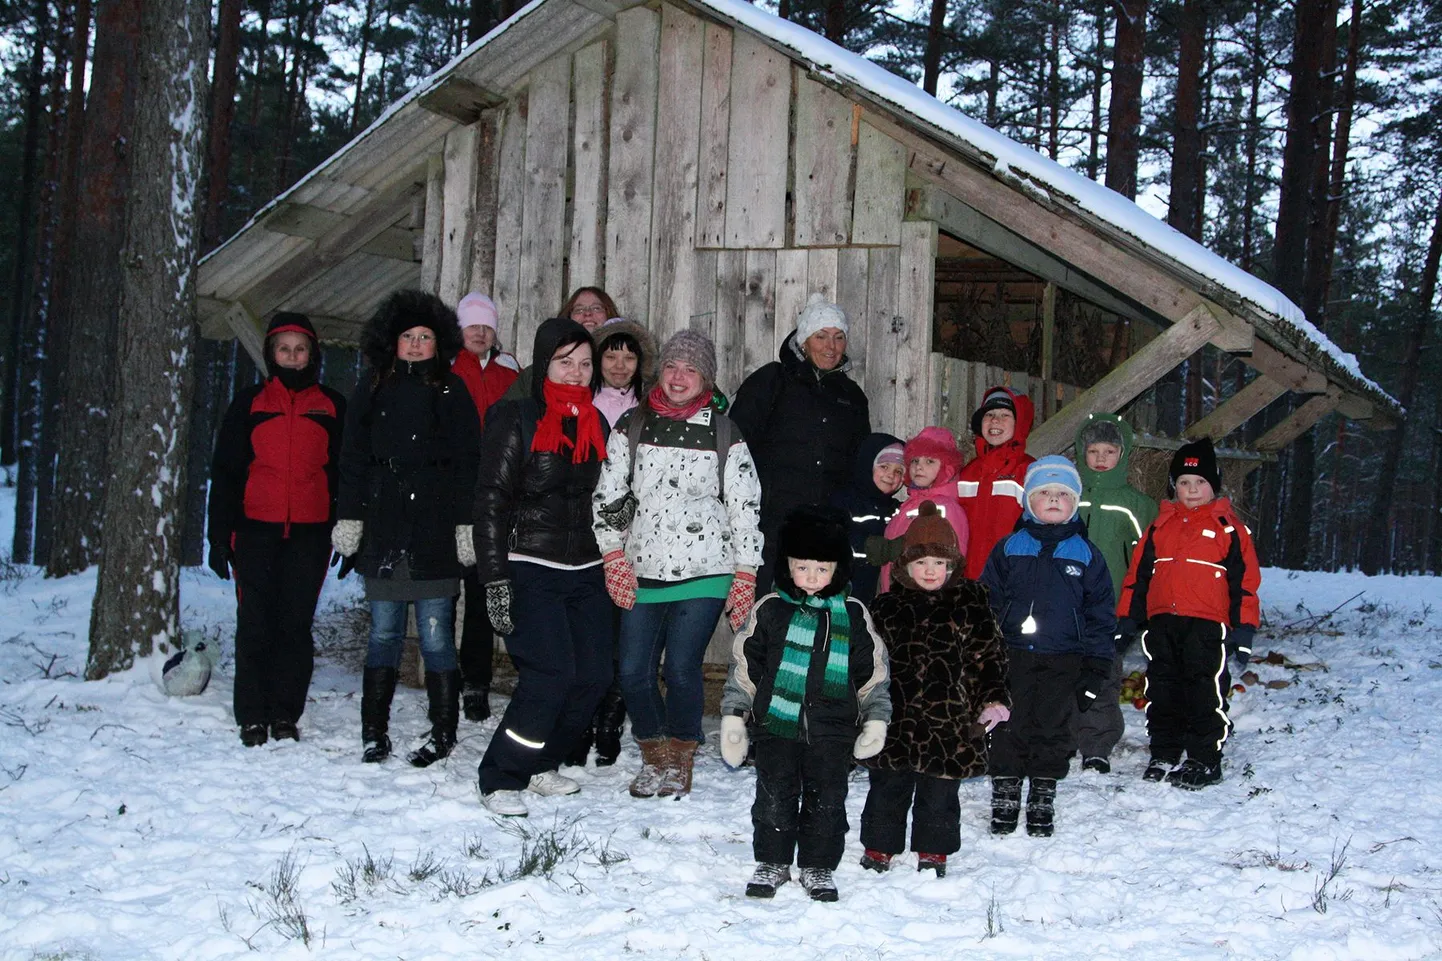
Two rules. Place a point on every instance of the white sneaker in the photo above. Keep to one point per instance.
(507, 804)
(552, 784)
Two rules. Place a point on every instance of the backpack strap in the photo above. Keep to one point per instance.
(725, 437)
(633, 435)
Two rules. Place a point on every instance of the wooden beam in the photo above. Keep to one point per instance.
(434, 226)
(1292, 374)
(1237, 409)
(301, 220)
(1236, 335)
(1136, 374)
(1353, 407)
(1048, 330)
(247, 330)
(1301, 419)
(461, 155)
(393, 243)
(459, 99)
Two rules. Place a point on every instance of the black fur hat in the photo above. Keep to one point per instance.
(815, 533)
(400, 312)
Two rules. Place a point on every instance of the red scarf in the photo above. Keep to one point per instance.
(658, 402)
(562, 402)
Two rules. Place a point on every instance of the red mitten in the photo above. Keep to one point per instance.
(620, 580)
(740, 599)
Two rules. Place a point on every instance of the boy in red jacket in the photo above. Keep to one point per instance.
(990, 486)
(1192, 588)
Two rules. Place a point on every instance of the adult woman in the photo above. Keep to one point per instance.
(407, 470)
(538, 559)
(486, 371)
(588, 306)
(272, 501)
(680, 530)
(804, 419)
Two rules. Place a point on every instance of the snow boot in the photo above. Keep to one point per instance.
(253, 735)
(284, 731)
(932, 862)
(476, 703)
(766, 879)
(1194, 775)
(655, 758)
(443, 689)
(1041, 807)
(1005, 804)
(610, 719)
(676, 779)
(819, 884)
(378, 686)
(877, 861)
(1157, 769)
(581, 750)
(1098, 764)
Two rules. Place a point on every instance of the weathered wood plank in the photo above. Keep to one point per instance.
(851, 268)
(510, 209)
(673, 220)
(821, 268)
(715, 137)
(760, 309)
(1300, 421)
(730, 326)
(913, 340)
(246, 327)
(757, 144)
(483, 239)
(632, 162)
(434, 227)
(543, 228)
(588, 152)
(883, 324)
(880, 200)
(792, 289)
(459, 191)
(459, 99)
(1237, 409)
(821, 191)
(1284, 370)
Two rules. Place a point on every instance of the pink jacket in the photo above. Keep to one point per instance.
(948, 504)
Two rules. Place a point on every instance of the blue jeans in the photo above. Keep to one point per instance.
(681, 629)
(435, 622)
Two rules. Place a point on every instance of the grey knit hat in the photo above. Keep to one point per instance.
(694, 348)
(1100, 432)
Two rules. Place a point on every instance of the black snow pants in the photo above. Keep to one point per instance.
(935, 813)
(1187, 684)
(1037, 741)
(800, 808)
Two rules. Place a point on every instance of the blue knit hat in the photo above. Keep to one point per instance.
(1053, 470)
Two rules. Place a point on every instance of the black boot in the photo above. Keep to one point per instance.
(378, 686)
(476, 703)
(582, 748)
(610, 720)
(443, 689)
(1041, 806)
(1005, 804)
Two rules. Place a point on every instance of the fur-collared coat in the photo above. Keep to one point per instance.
(947, 662)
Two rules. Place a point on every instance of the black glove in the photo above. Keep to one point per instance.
(1241, 644)
(347, 564)
(221, 558)
(880, 551)
(1126, 634)
(498, 606)
(1094, 673)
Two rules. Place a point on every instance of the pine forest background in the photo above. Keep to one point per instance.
(1302, 141)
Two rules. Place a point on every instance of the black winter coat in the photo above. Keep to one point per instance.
(869, 510)
(408, 467)
(803, 428)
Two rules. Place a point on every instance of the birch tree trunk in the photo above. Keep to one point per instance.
(137, 594)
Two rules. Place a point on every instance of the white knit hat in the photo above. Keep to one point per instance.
(818, 314)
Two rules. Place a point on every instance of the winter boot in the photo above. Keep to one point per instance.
(476, 703)
(1157, 769)
(932, 862)
(1098, 764)
(878, 861)
(1194, 775)
(1005, 804)
(819, 884)
(443, 689)
(676, 780)
(655, 758)
(253, 735)
(1041, 807)
(284, 731)
(767, 878)
(581, 750)
(610, 719)
(378, 686)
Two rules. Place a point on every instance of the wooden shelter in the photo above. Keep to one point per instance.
(710, 165)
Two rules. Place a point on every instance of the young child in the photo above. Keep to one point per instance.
(932, 463)
(948, 686)
(870, 502)
(805, 667)
(1192, 588)
(1051, 592)
(990, 486)
(1116, 514)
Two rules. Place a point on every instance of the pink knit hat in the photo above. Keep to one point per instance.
(940, 443)
(476, 309)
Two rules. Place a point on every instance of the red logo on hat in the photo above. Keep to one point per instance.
(1191, 461)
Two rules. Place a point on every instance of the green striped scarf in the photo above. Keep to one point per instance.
(783, 716)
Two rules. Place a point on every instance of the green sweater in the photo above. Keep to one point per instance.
(1115, 512)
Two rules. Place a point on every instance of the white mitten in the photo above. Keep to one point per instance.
(733, 740)
(871, 740)
(992, 715)
(465, 547)
(345, 537)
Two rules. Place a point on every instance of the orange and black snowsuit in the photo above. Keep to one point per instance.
(989, 487)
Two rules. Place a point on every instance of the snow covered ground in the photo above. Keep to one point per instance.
(136, 826)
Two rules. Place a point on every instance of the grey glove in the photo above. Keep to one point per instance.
(345, 537)
(465, 546)
(498, 606)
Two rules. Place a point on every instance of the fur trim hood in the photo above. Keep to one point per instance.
(400, 312)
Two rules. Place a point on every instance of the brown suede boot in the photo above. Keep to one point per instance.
(677, 779)
(655, 759)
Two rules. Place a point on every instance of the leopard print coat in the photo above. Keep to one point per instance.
(947, 662)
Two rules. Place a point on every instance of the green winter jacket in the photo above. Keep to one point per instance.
(1115, 512)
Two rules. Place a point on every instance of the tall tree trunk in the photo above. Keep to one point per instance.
(222, 117)
(1184, 211)
(137, 595)
(1376, 556)
(834, 23)
(1055, 33)
(935, 41)
(1124, 116)
(1256, 70)
(1434, 533)
(1099, 79)
(92, 285)
(479, 10)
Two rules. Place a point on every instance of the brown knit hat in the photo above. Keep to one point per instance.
(929, 536)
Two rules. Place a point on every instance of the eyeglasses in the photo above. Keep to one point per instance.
(595, 309)
(418, 338)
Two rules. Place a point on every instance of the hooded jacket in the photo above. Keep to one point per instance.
(532, 504)
(869, 510)
(990, 486)
(940, 443)
(488, 382)
(1116, 513)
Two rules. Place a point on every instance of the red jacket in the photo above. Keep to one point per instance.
(990, 487)
(486, 384)
(1196, 562)
(276, 457)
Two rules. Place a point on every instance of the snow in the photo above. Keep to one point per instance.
(133, 826)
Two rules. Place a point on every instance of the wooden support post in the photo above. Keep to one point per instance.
(434, 224)
(1238, 409)
(247, 330)
(1048, 345)
(1302, 418)
(1140, 371)
(459, 203)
